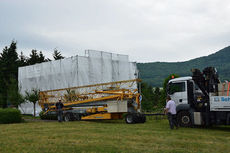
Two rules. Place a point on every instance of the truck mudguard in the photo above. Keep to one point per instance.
(183, 107)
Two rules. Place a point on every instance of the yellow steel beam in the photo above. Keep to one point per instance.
(103, 116)
(102, 84)
(90, 100)
(115, 92)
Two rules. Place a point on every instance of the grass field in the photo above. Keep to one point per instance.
(111, 137)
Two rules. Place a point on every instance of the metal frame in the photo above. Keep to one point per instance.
(104, 92)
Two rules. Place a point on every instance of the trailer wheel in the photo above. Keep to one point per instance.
(140, 118)
(67, 117)
(130, 119)
(184, 119)
(77, 117)
(143, 119)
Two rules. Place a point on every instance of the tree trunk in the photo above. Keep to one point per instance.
(34, 108)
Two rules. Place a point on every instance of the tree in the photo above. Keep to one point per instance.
(34, 57)
(57, 55)
(9, 61)
(33, 97)
(3, 92)
(22, 60)
(156, 96)
(147, 94)
(14, 97)
(8, 69)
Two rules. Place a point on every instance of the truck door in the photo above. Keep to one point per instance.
(178, 92)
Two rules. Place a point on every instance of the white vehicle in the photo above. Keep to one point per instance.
(201, 99)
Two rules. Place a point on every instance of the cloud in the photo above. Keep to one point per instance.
(148, 31)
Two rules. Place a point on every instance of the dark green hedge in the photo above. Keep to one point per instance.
(10, 115)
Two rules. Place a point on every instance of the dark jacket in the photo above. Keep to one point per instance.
(59, 105)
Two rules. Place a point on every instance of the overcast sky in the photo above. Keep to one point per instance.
(146, 30)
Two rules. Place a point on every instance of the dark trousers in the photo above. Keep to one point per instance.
(59, 113)
(172, 120)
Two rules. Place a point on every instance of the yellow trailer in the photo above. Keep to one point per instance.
(97, 102)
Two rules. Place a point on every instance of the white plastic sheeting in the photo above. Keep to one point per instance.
(94, 68)
(28, 108)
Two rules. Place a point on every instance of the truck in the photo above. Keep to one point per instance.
(104, 101)
(201, 99)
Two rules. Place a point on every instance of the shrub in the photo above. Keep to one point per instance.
(10, 115)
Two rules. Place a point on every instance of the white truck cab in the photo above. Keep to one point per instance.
(177, 89)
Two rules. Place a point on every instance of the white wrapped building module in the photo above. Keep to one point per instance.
(94, 68)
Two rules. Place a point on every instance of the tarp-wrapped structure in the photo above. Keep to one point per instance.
(93, 68)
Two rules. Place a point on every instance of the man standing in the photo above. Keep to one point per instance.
(170, 110)
(59, 107)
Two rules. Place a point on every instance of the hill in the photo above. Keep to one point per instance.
(154, 73)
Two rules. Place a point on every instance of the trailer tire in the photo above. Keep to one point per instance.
(143, 119)
(67, 117)
(130, 119)
(184, 119)
(140, 118)
(77, 117)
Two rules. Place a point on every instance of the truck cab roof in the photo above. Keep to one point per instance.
(181, 79)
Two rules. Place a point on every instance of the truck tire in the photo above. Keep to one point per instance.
(67, 117)
(184, 119)
(130, 119)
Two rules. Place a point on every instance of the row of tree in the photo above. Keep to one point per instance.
(154, 99)
(9, 63)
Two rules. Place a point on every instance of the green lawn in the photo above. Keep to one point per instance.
(111, 136)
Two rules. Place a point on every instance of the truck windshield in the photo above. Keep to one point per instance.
(176, 87)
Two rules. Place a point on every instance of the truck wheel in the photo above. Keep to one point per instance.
(184, 119)
(129, 119)
(67, 117)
